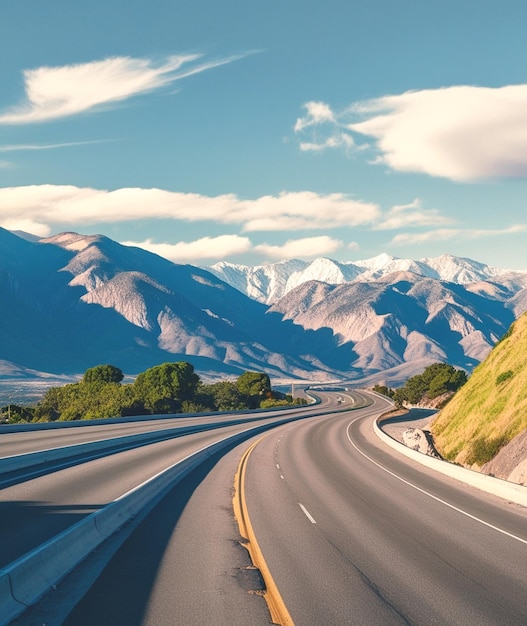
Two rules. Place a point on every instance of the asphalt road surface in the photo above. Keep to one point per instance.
(355, 534)
(352, 534)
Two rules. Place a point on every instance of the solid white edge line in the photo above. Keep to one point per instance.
(427, 493)
(307, 513)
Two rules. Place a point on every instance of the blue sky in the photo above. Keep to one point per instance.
(256, 131)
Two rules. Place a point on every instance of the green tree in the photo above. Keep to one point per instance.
(225, 396)
(87, 400)
(399, 397)
(162, 388)
(256, 386)
(443, 378)
(103, 374)
(383, 390)
(436, 379)
(14, 413)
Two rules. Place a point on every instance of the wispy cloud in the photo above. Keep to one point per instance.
(44, 205)
(459, 234)
(412, 215)
(319, 114)
(50, 146)
(56, 92)
(337, 140)
(301, 248)
(462, 133)
(206, 248)
(316, 113)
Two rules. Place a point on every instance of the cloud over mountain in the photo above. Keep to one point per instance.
(44, 205)
(461, 132)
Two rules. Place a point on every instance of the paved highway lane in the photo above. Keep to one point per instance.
(24, 438)
(38, 509)
(35, 510)
(348, 542)
(182, 564)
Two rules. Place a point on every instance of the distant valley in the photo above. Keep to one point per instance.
(73, 301)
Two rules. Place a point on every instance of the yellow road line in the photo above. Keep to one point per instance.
(279, 613)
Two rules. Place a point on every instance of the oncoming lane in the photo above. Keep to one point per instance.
(381, 551)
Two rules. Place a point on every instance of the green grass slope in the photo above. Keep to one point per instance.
(491, 408)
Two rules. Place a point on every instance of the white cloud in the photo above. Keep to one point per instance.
(301, 248)
(316, 113)
(50, 146)
(463, 133)
(460, 234)
(338, 140)
(305, 210)
(56, 204)
(412, 215)
(213, 248)
(224, 246)
(55, 92)
(27, 225)
(320, 114)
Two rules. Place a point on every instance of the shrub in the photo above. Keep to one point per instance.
(501, 378)
(484, 450)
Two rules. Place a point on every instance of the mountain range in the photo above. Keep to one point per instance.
(268, 283)
(72, 301)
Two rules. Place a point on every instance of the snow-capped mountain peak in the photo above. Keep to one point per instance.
(269, 283)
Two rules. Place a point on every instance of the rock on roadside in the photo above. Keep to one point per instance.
(420, 440)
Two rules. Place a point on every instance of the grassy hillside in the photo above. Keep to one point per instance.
(491, 408)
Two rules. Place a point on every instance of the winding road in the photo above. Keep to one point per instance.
(355, 534)
(351, 533)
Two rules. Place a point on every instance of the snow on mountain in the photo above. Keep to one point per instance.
(324, 270)
(268, 283)
(261, 282)
(72, 301)
(461, 270)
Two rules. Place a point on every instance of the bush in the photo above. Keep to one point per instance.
(270, 403)
(484, 450)
(501, 378)
(384, 390)
(436, 379)
(162, 389)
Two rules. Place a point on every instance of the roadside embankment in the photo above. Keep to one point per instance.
(504, 489)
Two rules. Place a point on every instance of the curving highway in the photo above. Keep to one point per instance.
(351, 533)
(355, 534)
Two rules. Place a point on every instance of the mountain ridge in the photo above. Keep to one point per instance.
(281, 277)
(72, 301)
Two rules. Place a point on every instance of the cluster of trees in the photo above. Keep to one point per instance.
(436, 380)
(163, 389)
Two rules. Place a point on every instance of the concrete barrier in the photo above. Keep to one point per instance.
(31, 459)
(27, 579)
(490, 484)
(30, 427)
